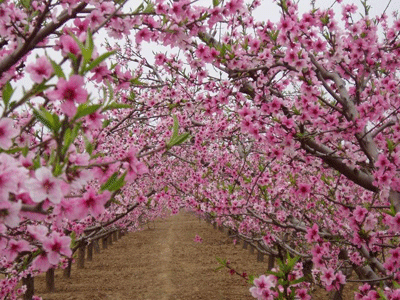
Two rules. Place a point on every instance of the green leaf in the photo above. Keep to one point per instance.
(221, 261)
(230, 188)
(149, 8)
(69, 137)
(139, 9)
(181, 138)
(99, 60)
(74, 60)
(58, 169)
(25, 151)
(175, 128)
(106, 123)
(215, 3)
(299, 280)
(45, 117)
(36, 162)
(119, 183)
(390, 145)
(251, 279)
(38, 88)
(86, 52)
(382, 295)
(114, 183)
(109, 181)
(26, 3)
(73, 239)
(177, 139)
(219, 268)
(89, 40)
(57, 69)
(14, 150)
(115, 201)
(84, 110)
(88, 145)
(7, 93)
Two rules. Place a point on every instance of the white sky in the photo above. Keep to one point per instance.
(270, 10)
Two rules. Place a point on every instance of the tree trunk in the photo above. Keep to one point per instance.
(104, 240)
(245, 245)
(90, 251)
(271, 262)
(67, 270)
(96, 246)
(50, 280)
(81, 257)
(30, 287)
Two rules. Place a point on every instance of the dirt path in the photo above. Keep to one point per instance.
(161, 264)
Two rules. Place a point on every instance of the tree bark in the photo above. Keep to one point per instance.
(50, 280)
(28, 281)
(81, 257)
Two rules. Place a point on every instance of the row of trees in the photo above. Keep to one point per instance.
(286, 133)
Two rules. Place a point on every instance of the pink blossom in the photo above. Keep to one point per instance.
(96, 18)
(370, 222)
(302, 294)
(268, 239)
(197, 239)
(45, 186)
(233, 6)
(15, 247)
(359, 213)
(160, 59)
(328, 276)
(318, 261)
(81, 26)
(395, 255)
(395, 222)
(69, 92)
(69, 45)
(262, 286)
(55, 246)
(143, 35)
(7, 132)
(107, 7)
(41, 262)
(304, 189)
(9, 213)
(94, 120)
(340, 278)
(40, 70)
(8, 176)
(312, 234)
(93, 203)
(133, 166)
(68, 208)
(38, 232)
(382, 161)
(100, 72)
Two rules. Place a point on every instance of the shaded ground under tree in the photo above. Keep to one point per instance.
(162, 263)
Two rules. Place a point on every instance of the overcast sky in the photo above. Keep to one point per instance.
(270, 11)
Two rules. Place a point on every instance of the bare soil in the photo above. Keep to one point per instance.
(161, 263)
(164, 263)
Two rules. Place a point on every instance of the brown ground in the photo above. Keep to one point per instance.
(163, 264)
